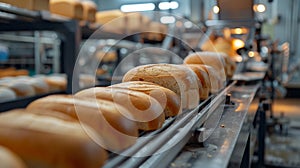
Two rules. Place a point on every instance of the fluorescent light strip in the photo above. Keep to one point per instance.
(168, 5)
(167, 19)
(138, 7)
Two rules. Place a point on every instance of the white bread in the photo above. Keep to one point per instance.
(56, 83)
(112, 21)
(115, 131)
(145, 110)
(7, 94)
(21, 89)
(230, 65)
(45, 141)
(68, 8)
(39, 85)
(10, 160)
(209, 58)
(215, 82)
(203, 79)
(29, 4)
(89, 10)
(177, 78)
(168, 99)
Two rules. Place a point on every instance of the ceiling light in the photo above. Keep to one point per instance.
(167, 19)
(138, 7)
(259, 8)
(216, 9)
(168, 5)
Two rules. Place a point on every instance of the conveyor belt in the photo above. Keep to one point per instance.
(164, 144)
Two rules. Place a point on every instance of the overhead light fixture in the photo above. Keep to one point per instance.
(237, 43)
(251, 54)
(259, 8)
(167, 19)
(168, 5)
(188, 24)
(216, 9)
(138, 7)
(239, 30)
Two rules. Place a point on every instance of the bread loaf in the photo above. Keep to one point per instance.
(112, 21)
(39, 85)
(10, 160)
(89, 10)
(68, 8)
(215, 82)
(167, 98)
(115, 131)
(208, 58)
(179, 79)
(145, 110)
(20, 89)
(7, 94)
(56, 83)
(230, 65)
(203, 79)
(29, 4)
(44, 141)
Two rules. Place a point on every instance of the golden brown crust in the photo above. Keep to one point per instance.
(204, 80)
(145, 110)
(208, 58)
(44, 141)
(69, 8)
(177, 78)
(89, 10)
(116, 132)
(8, 159)
(215, 82)
(168, 99)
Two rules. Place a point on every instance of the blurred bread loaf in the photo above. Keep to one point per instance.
(7, 94)
(45, 141)
(114, 130)
(89, 10)
(10, 160)
(68, 8)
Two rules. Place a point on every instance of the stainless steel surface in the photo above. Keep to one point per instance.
(227, 23)
(219, 147)
(37, 54)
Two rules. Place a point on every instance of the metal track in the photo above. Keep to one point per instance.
(158, 148)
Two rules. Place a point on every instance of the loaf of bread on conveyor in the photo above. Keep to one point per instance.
(29, 4)
(209, 58)
(168, 99)
(7, 94)
(8, 159)
(39, 85)
(146, 111)
(203, 79)
(180, 79)
(11, 72)
(215, 59)
(230, 65)
(68, 8)
(112, 21)
(89, 10)
(56, 82)
(115, 131)
(47, 141)
(20, 89)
